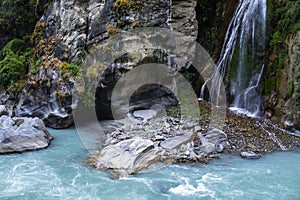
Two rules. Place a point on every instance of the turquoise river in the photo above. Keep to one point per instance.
(59, 172)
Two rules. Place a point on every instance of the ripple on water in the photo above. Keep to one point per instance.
(60, 173)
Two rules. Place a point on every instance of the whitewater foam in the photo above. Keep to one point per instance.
(200, 189)
(209, 177)
(187, 189)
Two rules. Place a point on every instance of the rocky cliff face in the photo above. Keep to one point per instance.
(69, 29)
(284, 104)
(281, 77)
(213, 18)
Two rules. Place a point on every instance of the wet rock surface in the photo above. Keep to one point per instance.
(258, 135)
(56, 112)
(21, 134)
(282, 105)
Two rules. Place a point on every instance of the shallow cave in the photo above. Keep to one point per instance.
(144, 97)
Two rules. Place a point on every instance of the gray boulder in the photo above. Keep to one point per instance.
(213, 141)
(21, 134)
(3, 110)
(132, 145)
(126, 157)
(176, 142)
(144, 115)
(250, 155)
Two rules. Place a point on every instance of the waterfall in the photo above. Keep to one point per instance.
(245, 39)
(169, 19)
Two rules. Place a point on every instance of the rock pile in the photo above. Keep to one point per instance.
(139, 143)
(143, 138)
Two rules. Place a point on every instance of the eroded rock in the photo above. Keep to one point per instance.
(126, 157)
(284, 104)
(69, 29)
(144, 115)
(21, 134)
(177, 141)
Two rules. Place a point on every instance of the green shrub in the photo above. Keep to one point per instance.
(70, 69)
(15, 45)
(284, 19)
(287, 21)
(276, 39)
(14, 64)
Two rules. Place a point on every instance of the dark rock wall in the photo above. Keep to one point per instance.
(281, 79)
(282, 105)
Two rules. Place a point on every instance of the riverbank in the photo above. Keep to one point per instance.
(143, 138)
(255, 134)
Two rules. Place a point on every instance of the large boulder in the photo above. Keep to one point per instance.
(177, 141)
(21, 134)
(127, 157)
(213, 141)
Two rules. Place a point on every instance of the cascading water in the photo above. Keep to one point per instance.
(245, 82)
(247, 29)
